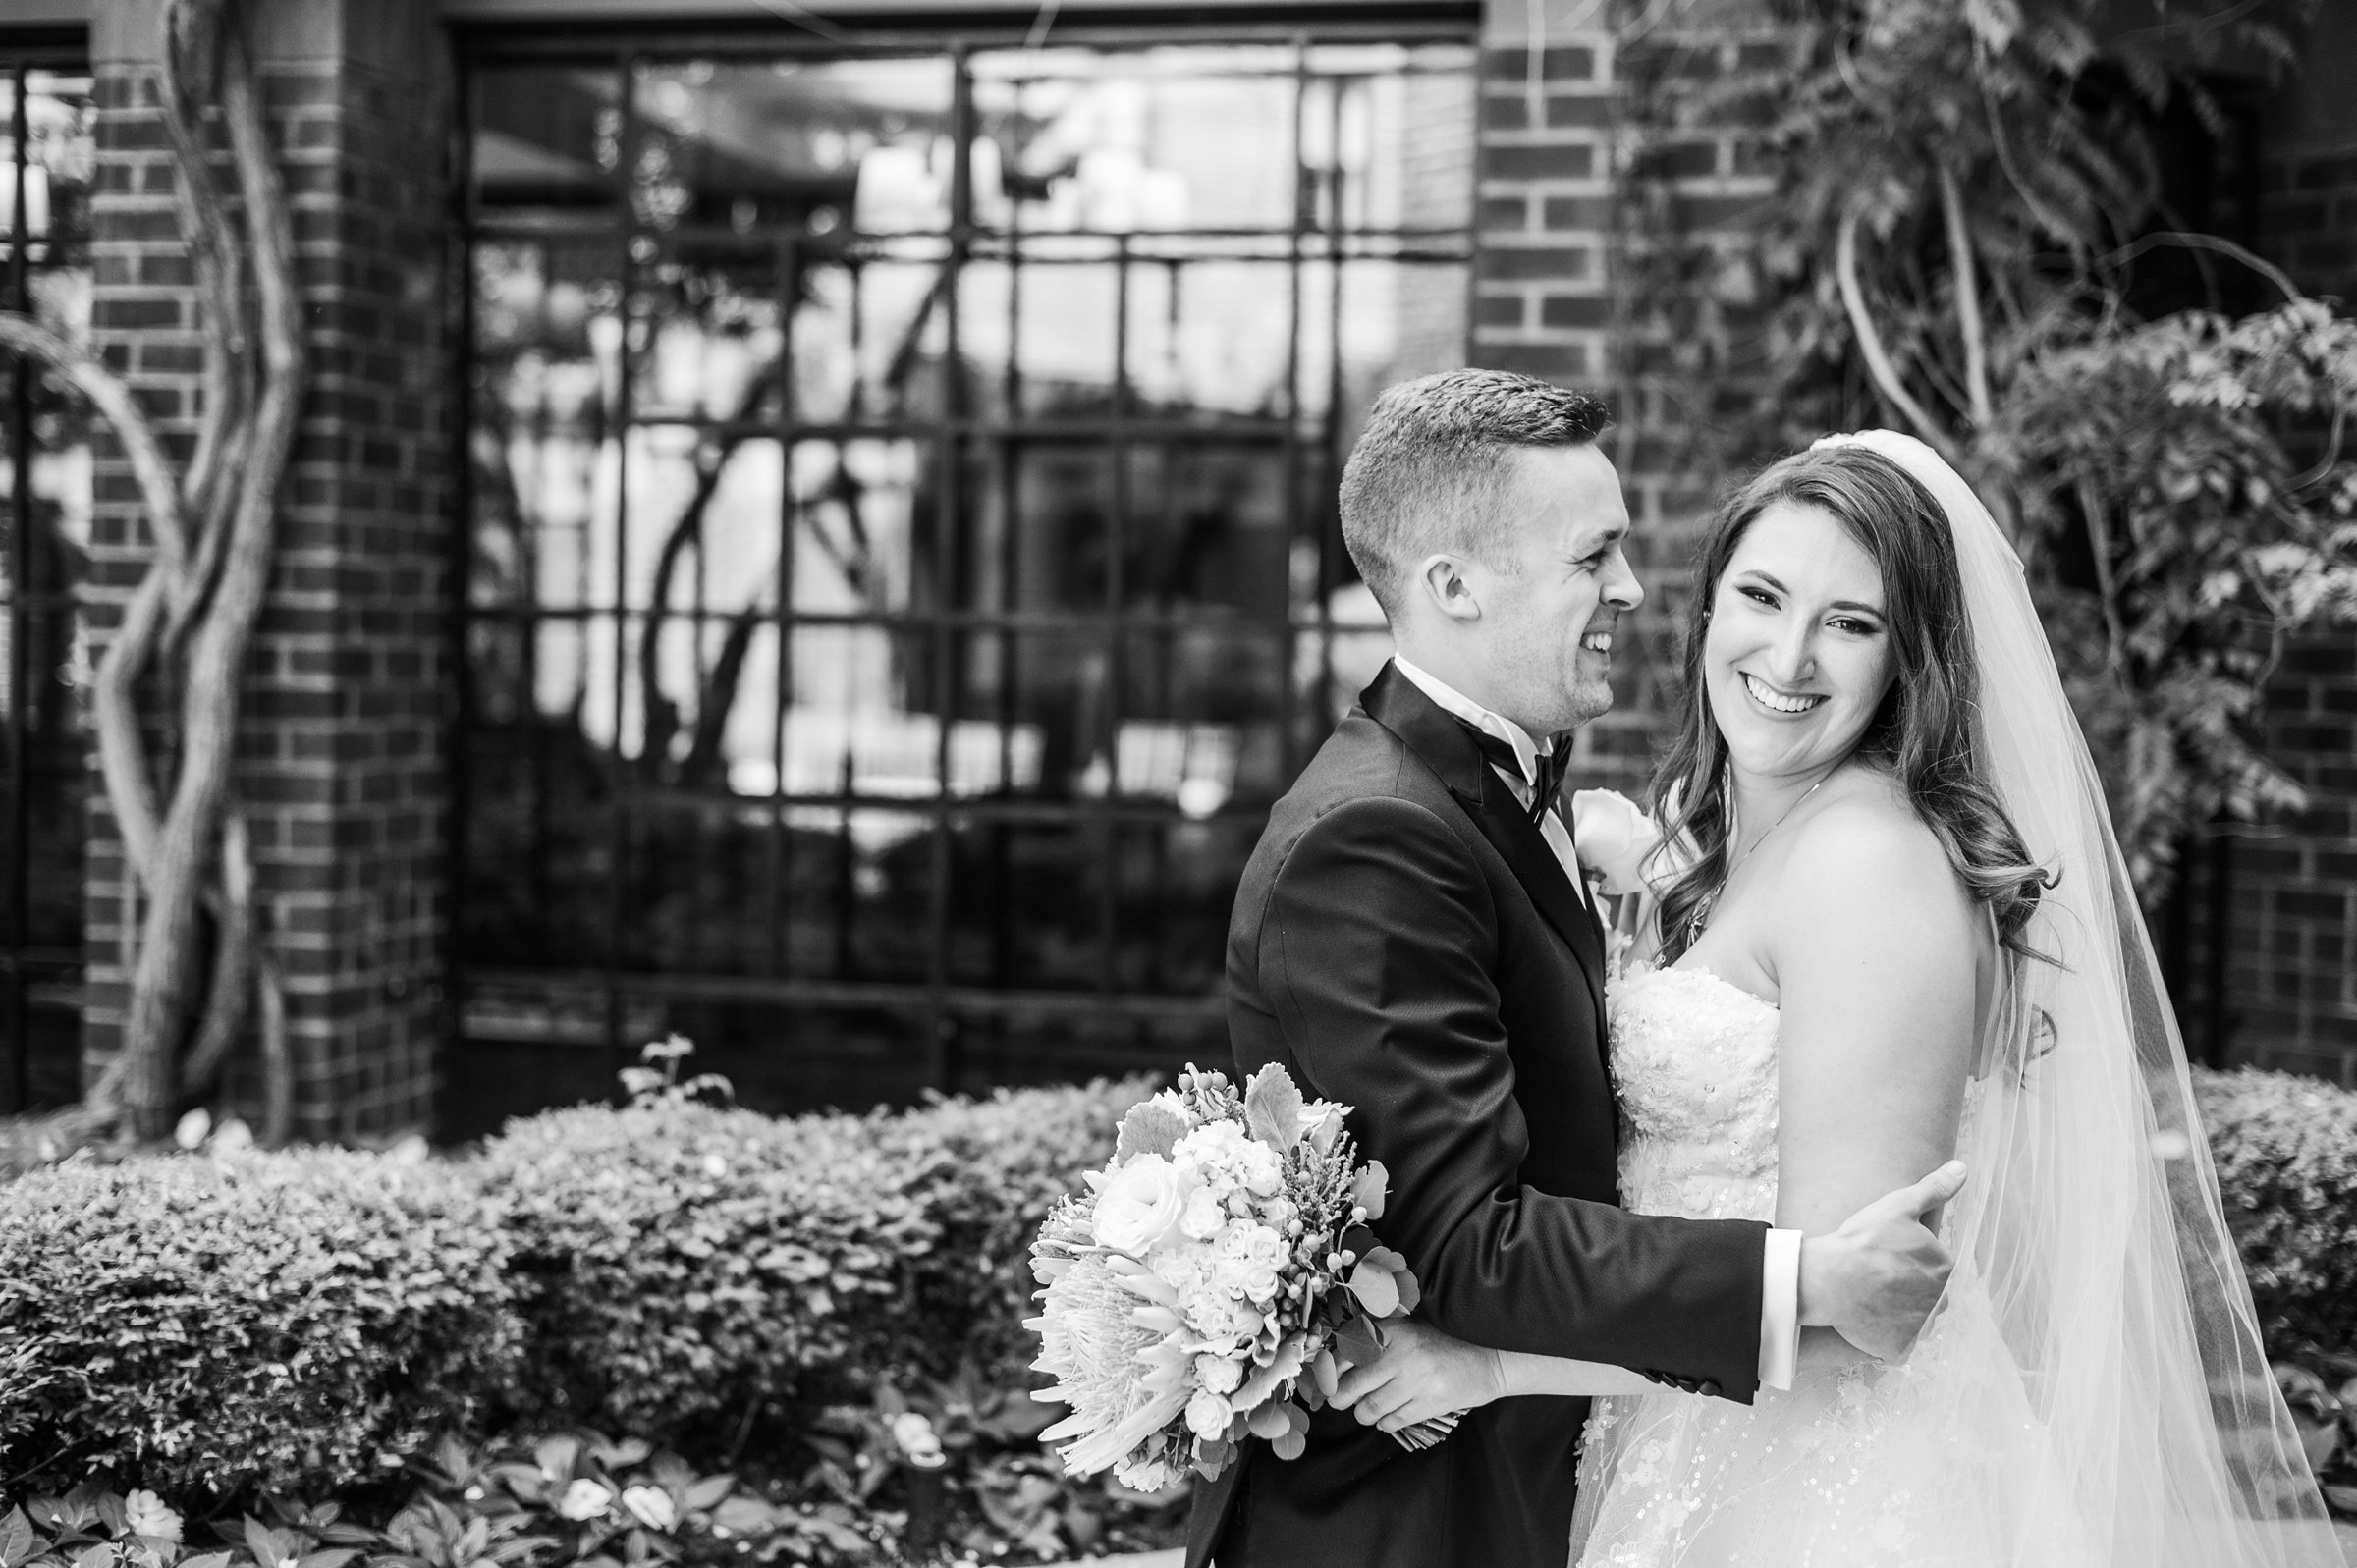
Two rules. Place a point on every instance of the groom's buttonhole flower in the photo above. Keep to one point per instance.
(1614, 838)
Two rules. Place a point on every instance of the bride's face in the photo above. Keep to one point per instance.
(1798, 658)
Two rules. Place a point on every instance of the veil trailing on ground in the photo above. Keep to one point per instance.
(2091, 1214)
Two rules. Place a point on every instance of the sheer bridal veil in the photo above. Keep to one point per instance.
(2091, 1215)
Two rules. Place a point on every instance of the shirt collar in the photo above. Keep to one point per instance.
(1453, 701)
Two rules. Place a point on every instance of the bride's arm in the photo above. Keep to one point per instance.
(1875, 956)
(1424, 1373)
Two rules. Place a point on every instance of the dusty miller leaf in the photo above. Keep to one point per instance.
(1150, 1128)
(1273, 1108)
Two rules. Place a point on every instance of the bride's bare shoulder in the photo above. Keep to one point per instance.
(1867, 857)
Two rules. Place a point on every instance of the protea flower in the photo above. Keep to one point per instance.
(1092, 1345)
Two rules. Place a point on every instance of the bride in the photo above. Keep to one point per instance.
(1898, 929)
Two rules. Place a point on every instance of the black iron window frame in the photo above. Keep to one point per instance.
(1307, 442)
(28, 966)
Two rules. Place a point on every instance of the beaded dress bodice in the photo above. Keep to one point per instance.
(1695, 1061)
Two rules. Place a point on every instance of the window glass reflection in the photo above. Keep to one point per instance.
(904, 556)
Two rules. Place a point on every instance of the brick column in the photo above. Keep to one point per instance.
(1571, 185)
(342, 767)
(2290, 927)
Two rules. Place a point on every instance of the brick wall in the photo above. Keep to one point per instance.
(340, 747)
(2291, 894)
(1560, 224)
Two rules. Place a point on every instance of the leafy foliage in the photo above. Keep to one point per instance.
(987, 1171)
(2285, 1146)
(1963, 188)
(683, 1265)
(2210, 545)
(215, 1324)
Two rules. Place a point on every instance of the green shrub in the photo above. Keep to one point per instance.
(2285, 1148)
(210, 1325)
(987, 1170)
(680, 1266)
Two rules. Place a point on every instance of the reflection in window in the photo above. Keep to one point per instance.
(48, 152)
(904, 559)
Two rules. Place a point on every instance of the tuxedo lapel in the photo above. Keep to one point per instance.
(1447, 747)
(1503, 822)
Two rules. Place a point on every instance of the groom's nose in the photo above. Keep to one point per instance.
(1621, 585)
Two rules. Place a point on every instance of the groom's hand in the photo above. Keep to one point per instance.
(1876, 1279)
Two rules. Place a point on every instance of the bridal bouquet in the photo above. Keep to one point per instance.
(1213, 1282)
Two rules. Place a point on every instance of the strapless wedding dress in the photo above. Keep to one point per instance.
(1935, 1460)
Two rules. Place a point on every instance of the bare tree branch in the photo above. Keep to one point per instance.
(1966, 269)
(1870, 342)
(107, 392)
(163, 980)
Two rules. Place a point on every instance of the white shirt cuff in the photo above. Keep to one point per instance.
(1780, 1310)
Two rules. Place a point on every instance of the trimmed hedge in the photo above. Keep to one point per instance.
(2286, 1152)
(986, 1171)
(299, 1321)
(212, 1325)
(680, 1265)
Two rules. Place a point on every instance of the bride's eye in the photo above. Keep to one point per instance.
(1857, 628)
(1758, 596)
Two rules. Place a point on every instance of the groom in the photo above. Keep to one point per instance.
(1412, 937)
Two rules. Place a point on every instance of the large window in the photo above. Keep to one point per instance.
(46, 154)
(902, 559)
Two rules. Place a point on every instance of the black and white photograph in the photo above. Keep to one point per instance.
(1194, 783)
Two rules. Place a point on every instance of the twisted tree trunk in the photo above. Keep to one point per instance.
(191, 618)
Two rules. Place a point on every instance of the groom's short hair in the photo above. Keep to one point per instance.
(1428, 473)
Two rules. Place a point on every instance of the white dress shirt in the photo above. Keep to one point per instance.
(1779, 1277)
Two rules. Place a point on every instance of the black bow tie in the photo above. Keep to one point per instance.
(1553, 765)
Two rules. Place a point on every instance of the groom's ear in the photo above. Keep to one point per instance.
(1448, 581)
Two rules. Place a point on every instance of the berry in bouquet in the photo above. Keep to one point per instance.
(1213, 1282)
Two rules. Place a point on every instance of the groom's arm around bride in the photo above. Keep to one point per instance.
(1408, 940)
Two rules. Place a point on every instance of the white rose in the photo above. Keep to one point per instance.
(1203, 1217)
(1260, 1282)
(1140, 1204)
(1614, 837)
(1263, 1174)
(1233, 1243)
(1265, 1247)
(1207, 1413)
(583, 1500)
(1217, 1374)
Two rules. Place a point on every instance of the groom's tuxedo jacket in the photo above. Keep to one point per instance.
(1405, 943)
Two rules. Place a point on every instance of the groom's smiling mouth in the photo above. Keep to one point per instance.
(1597, 642)
(1774, 701)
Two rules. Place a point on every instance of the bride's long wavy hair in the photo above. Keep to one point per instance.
(1923, 735)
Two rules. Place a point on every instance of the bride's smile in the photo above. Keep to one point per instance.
(1797, 660)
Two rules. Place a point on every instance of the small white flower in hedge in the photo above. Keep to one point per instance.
(147, 1514)
(193, 1128)
(650, 1506)
(1140, 1204)
(715, 1166)
(1614, 837)
(585, 1499)
(918, 1442)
